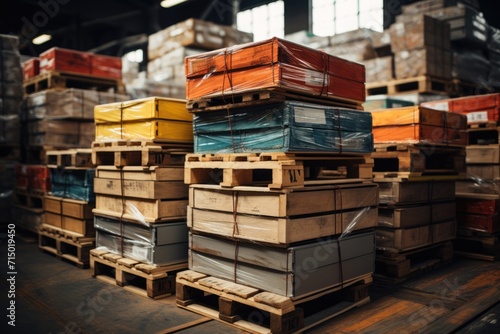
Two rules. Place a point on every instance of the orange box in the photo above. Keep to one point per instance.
(65, 60)
(31, 68)
(106, 66)
(273, 63)
(479, 108)
(275, 76)
(416, 124)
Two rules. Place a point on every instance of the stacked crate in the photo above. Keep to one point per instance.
(61, 88)
(478, 195)
(10, 103)
(167, 49)
(67, 230)
(141, 199)
(281, 203)
(419, 153)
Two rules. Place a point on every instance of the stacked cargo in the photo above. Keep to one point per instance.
(67, 230)
(141, 199)
(167, 49)
(281, 203)
(419, 153)
(478, 196)
(10, 102)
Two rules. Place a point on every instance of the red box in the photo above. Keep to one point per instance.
(31, 68)
(65, 60)
(478, 206)
(483, 223)
(38, 178)
(106, 66)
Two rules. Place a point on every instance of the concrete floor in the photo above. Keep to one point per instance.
(53, 296)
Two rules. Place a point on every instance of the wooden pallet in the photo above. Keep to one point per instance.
(259, 311)
(76, 252)
(138, 153)
(261, 97)
(29, 198)
(146, 280)
(422, 84)
(78, 158)
(425, 159)
(477, 245)
(65, 234)
(396, 267)
(465, 88)
(62, 80)
(277, 170)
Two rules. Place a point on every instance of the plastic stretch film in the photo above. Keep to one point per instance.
(419, 125)
(273, 63)
(74, 184)
(148, 118)
(288, 126)
(292, 271)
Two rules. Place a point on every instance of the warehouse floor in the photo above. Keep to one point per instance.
(52, 296)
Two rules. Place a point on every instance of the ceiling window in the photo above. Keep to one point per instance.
(263, 21)
(330, 17)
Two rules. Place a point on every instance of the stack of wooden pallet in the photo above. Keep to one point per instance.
(32, 183)
(478, 196)
(281, 203)
(67, 230)
(10, 102)
(419, 153)
(141, 199)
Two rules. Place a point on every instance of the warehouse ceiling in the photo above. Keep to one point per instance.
(117, 26)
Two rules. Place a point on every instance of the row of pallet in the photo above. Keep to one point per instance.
(277, 206)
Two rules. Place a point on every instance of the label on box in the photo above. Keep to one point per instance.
(477, 116)
(309, 115)
(439, 106)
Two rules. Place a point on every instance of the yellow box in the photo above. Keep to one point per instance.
(159, 129)
(142, 109)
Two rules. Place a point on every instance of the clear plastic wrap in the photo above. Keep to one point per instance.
(150, 118)
(10, 106)
(273, 63)
(419, 125)
(142, 251)
(308, 39)
(9, 43)
(194, 33)
(291, 272)
(288, 126)
(170, 66)
(375, 102)
(68, 103)
(73, 183)
(478, 214)
(140, 88)
(416, 215)
(282, 217)
(474, 185)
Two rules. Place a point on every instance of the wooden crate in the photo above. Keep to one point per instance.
(477, 245)
(79, 157)
(415, 215)
(151, 210)
(282, 217)
(401, 192)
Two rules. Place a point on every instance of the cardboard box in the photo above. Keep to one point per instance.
(31, 68)
(106, 66)
(65, 60)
